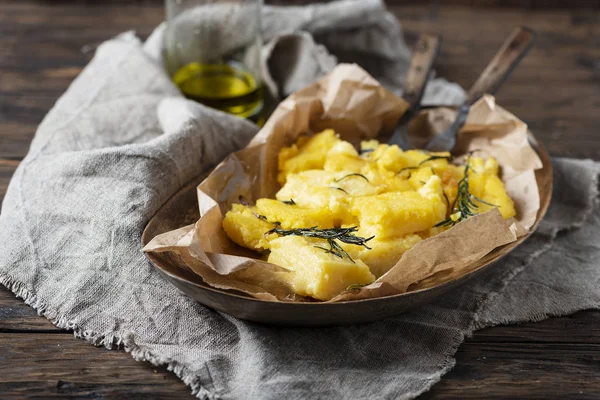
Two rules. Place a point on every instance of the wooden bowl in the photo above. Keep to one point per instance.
(182, 209)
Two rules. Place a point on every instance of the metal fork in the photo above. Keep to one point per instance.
(425, 51)
(498, 70)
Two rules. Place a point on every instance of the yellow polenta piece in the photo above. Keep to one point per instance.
(304, 186)
(419, 177)
(307, 153)
(494, 193)
(245, 229)
(395, 184)
(332, 191)
(450, 178)
(486, 185)
(399, 213)
(314, 189)
(392, 158)
(344, 157)
(367, 146)
(293, 216)
(385, 253)
(317, 273)
(356, 184)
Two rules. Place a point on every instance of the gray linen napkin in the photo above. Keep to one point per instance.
(121, 141)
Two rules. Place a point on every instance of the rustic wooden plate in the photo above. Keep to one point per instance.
(182, 209)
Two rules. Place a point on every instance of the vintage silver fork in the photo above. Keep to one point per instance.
(504, 62)
(425, 51)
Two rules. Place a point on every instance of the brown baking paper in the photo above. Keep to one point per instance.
(357, 107)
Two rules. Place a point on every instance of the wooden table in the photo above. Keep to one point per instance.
(44, 45)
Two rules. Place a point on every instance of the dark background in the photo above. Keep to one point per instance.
(556, 90)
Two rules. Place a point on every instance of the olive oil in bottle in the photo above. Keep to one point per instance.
(226, 87)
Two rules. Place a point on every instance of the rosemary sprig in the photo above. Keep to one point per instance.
(345, 235)
(432, 158)
(289, 202)
(349, 175)
(464, 205)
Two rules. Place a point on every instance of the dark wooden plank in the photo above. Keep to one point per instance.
(7, 169)
(522, 371)
(16, 316)
(520, 367)
(43, 47)
(57, 366)
(580, 328)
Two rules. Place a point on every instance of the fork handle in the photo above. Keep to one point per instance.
(425, 51)
(504, 62)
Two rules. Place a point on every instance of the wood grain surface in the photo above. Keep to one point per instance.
(556, 90)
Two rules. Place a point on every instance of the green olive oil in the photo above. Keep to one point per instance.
(226, 87)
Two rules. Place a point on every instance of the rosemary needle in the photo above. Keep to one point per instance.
(244, 202)
(349, 175)
(355, 286)
(446, 197)
(338, 188)
(432, 158)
